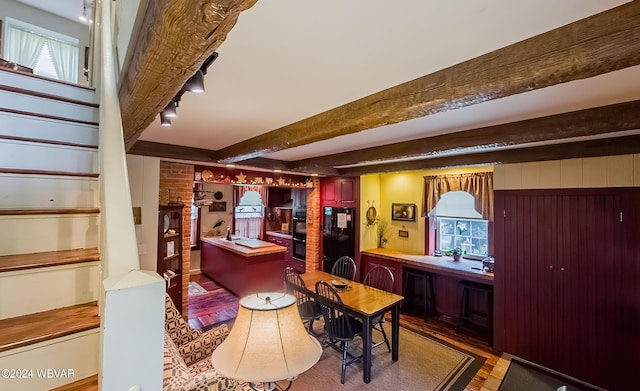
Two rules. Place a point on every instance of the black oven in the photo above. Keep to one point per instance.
(299, 248)
(299, 231)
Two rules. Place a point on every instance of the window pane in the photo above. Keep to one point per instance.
(479, 229)
(462, 227)
(446, 226)
(446, 242)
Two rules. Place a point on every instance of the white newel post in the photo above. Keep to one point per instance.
(132, 334)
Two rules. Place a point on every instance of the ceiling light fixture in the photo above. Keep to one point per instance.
(164, 120)
(84, 16)
(170, 110)
(196, 82)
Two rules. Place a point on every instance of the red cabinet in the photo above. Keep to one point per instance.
(368, 262)
(296, 264)
(567, 268)
(340, 191)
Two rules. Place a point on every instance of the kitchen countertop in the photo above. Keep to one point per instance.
(444, 264)
(279, 234)
(233, 246)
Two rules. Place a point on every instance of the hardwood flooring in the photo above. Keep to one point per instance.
(218, 304)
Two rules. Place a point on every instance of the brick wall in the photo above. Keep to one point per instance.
(176, 181)
(313, 226)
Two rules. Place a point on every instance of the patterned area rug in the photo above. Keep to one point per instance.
(195, 289)
(424, 364)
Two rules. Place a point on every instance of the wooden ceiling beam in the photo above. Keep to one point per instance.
(587, 122)
(162, 61)
(169, 151)
(591, 148)
(602, 43)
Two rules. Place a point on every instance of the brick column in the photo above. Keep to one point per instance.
(176, 180)
(313, 226)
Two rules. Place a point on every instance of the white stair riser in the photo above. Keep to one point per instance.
(47, 87)
(37, 290)
(37, 156)
(43, 191)
(35, 104)
(33, 234)
(78, 352)
(26, 126)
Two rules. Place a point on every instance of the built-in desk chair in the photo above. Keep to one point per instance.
(341, 329)
(308, 308)
(382, 278)
(344, 267)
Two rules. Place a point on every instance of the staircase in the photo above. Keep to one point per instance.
(50, 279)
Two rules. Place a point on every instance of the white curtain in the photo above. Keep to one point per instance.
(23, 47)
(65, 60)
(250, 226)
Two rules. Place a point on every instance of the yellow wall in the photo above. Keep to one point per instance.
(399, 187)
(369, 196)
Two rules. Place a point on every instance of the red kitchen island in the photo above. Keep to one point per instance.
(243, 266)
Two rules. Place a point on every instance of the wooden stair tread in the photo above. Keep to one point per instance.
(21, 171)
(87, 384)
(43, 326)
(33, 75)
(52, 211)
(38, 94)
(47, 259)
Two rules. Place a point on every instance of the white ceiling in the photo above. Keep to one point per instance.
(286, 60)
(69, 9)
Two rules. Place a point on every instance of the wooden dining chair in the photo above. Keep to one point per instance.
(340, 328)
(382, 278)
(308, 308)
(344, 267)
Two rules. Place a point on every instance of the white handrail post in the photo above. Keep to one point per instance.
(132, 307)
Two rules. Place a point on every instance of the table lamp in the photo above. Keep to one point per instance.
(267, 343)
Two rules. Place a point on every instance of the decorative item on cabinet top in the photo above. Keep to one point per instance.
(236, 177)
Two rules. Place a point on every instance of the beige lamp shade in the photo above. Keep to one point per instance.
(268, 341)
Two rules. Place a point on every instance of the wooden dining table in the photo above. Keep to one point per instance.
(365, 303)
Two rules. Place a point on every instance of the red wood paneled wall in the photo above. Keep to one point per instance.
(568, 281)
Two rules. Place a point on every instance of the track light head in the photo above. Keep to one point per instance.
(164, 120)
(196, 82)
(170, 110)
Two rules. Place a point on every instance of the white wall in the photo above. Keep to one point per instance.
(144, 181)
(606, 171)
(48, 21)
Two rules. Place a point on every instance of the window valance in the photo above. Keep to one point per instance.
(479, 185)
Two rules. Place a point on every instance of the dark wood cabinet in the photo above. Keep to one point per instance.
(279, 196)
(169, 264)
(299, 196)
(340, 191)
(567, 268)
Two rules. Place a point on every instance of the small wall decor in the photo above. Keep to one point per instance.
(218, 206)
(404, 212)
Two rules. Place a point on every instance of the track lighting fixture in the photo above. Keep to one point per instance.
(164, 120)
(196, 82)
(170, 110)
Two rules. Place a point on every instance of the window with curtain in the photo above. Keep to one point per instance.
(461, 207)
(48, 53)
(249, 211)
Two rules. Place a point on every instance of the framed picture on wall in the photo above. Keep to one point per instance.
(218, 206)
(403, 212)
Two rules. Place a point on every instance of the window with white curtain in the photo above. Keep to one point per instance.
(48, 53)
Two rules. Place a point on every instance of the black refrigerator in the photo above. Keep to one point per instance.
(338, 235)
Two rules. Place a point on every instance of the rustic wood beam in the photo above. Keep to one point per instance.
(150, 148)
(175, 38)
(170, 151)
(602, 43)
(591, 148)
(588, 122)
